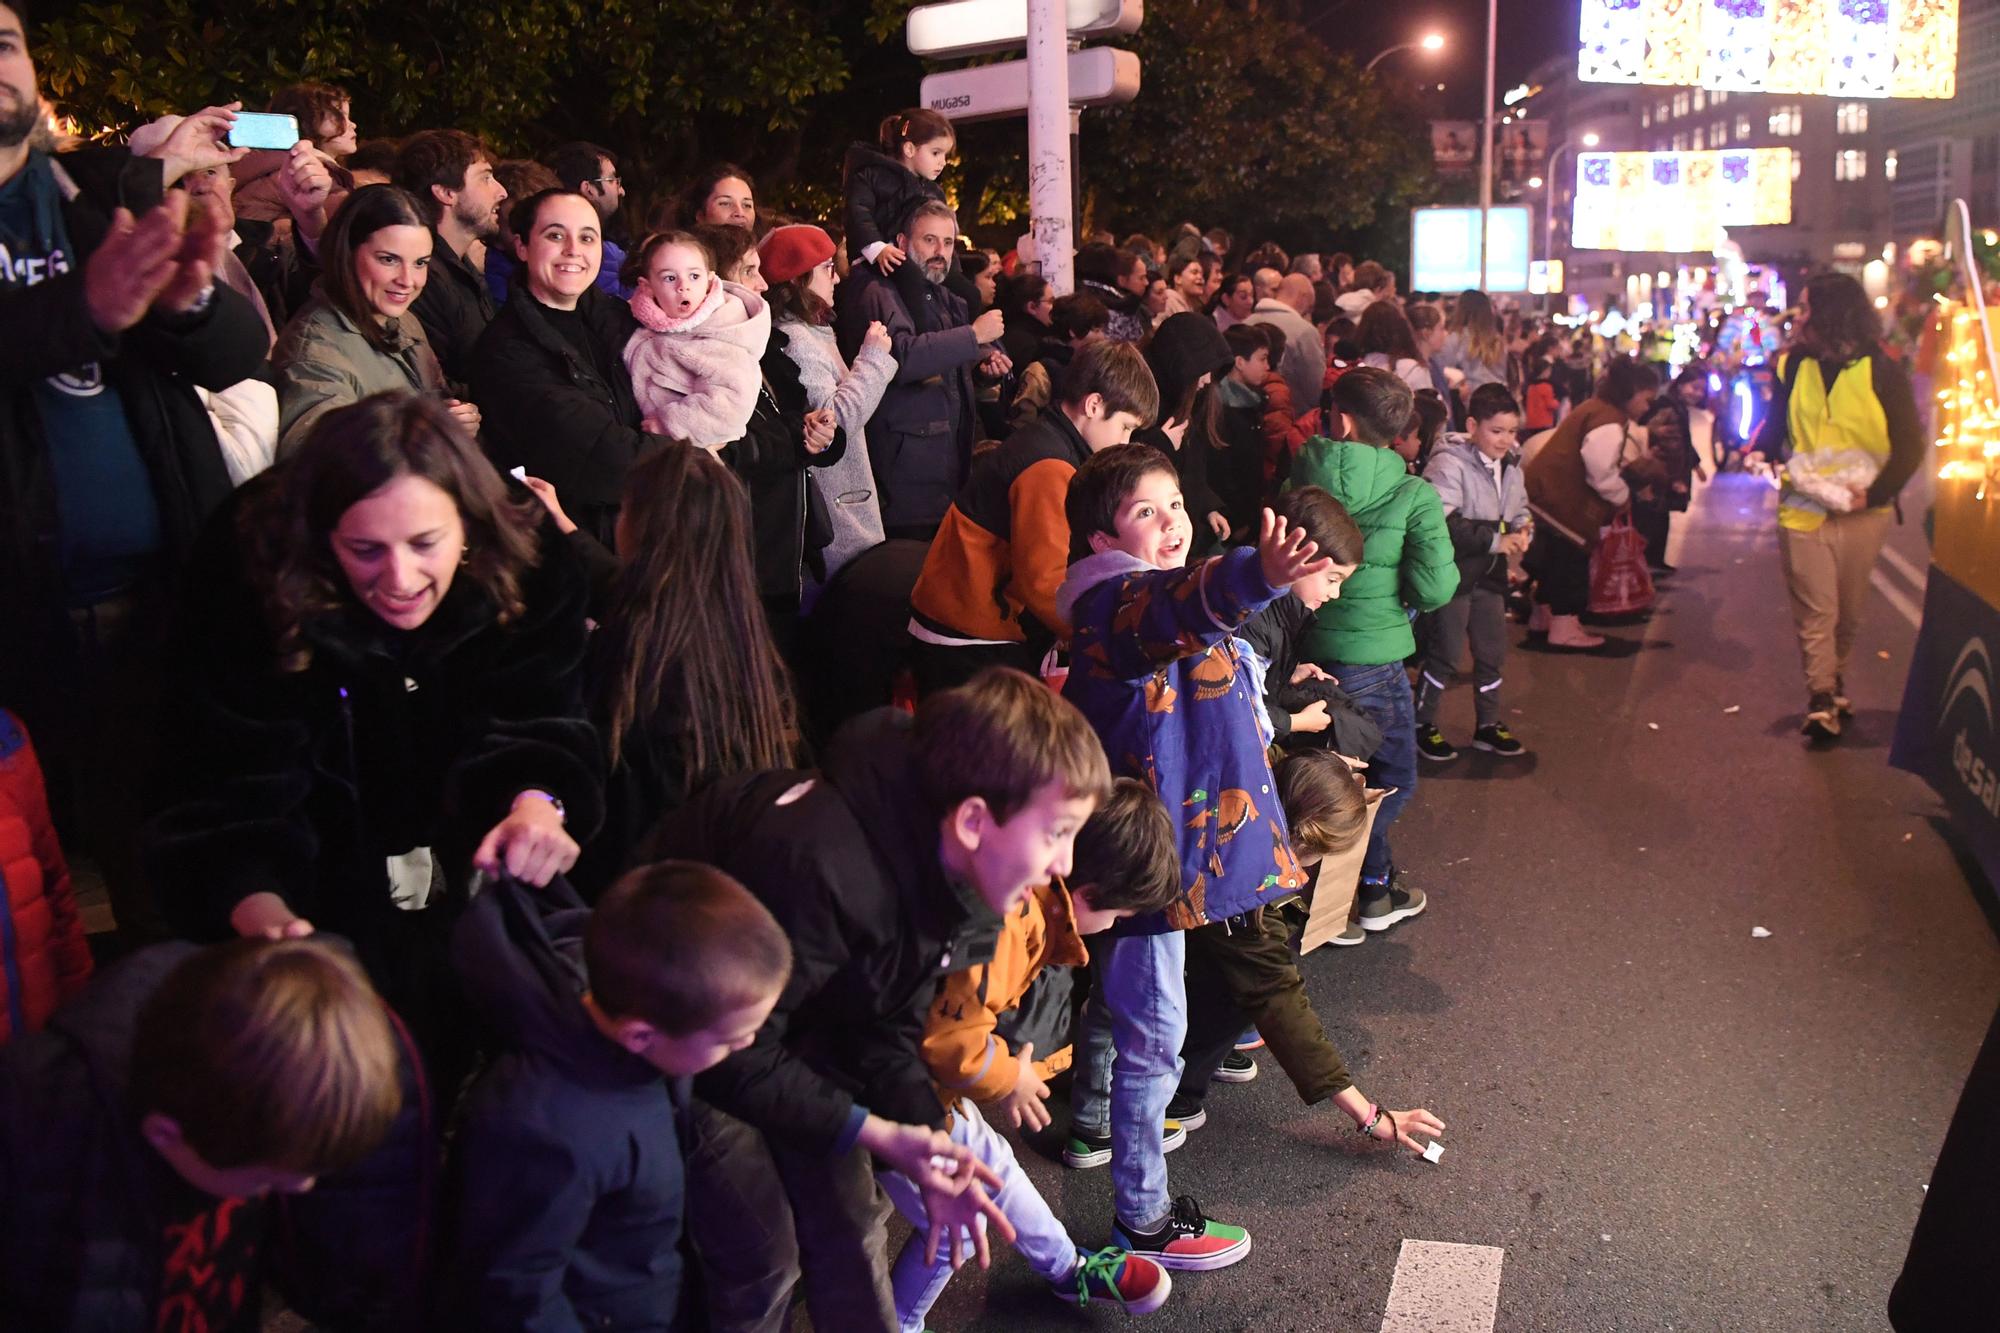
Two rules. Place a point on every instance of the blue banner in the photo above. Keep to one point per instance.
(1946, 733)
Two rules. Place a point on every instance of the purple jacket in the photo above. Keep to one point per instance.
(1154, 667)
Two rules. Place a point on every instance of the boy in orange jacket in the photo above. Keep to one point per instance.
(1125, 864)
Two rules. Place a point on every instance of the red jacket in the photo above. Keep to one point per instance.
(1284, 432)
(44, 957)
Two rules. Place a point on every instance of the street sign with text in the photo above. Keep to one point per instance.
(1098, 76)
(982, 27)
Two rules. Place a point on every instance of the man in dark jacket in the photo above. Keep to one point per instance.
(452, 177)
(566, 1172)
(888, 870)
(108, 462)
(157, 1141)
(920, 438)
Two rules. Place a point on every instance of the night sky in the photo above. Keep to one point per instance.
(1530, 32)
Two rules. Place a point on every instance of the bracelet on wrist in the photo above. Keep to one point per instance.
(562, 814)
(1374, 1118)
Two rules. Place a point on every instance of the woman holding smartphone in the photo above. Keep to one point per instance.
(356, 336)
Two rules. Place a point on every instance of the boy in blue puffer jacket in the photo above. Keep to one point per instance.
(1478, 478)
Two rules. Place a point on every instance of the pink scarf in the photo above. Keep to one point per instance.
(648, 312)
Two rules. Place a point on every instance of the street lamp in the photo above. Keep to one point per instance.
(1431, 41)
(1587, 140)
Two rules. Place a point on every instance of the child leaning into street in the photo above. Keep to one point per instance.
(1124, 865)
(566, 1164)
(1155, 668)
(1243, 970)
(694, 359)
(1478, 478)
(884, 182)
(1363, 639)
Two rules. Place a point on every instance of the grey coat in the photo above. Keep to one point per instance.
(854, 394)
(1476, 511)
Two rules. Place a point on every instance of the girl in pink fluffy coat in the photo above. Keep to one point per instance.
(694, 358)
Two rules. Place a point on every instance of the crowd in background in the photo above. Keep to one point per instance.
(620, 753)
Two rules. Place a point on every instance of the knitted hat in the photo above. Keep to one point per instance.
(792, 252)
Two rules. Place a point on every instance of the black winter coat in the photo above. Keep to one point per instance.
(880, 194)
(454, 307)
(1275, 633)
(154, 367)
(847, 860)
(545, 408)
(303, 782)
(566, 1184)
(787, 511)
(84, 1199)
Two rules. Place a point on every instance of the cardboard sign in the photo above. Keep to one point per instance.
(1339, 878)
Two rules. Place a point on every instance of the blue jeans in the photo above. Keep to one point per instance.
(1383, 693)
(1139, 1011)
(1038, 1235)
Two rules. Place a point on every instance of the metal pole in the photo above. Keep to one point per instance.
(1486, 141)
(1049, 172)
(1384, 55)
(1549, 226)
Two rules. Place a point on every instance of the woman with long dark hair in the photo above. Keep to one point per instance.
(686, 683)
(378, 670)
(1843, 419)
(1387, 341)
(1186, 354)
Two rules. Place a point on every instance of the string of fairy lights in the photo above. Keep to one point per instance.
(1968, 417)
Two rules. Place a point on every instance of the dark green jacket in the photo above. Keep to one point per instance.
(1407, 562)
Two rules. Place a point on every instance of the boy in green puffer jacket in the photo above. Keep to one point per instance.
(1363, 638)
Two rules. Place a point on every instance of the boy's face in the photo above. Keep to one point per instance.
(1092, 920)
(1316, 590)
(1101, 428)
(691, 1052)
(1496, 435)
(1005, 859)
(1152, 523)
(1253, 369)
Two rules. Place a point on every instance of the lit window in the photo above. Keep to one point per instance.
(1697, 140)
(1700, 99)
(1680, 104)
(1680, 143)
(1718, 97)
(1645, 117)
(1798, 165)
(1787, 121)
(1889, 165)
(1718, 134)
(1742, 128)
(1661, 113)
(1851, 164)
(1851, 118)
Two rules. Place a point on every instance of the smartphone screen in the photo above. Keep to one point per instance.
(264, 129)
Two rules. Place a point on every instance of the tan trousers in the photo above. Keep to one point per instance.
(1826, 574)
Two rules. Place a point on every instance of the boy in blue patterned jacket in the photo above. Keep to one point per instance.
(1154, 666)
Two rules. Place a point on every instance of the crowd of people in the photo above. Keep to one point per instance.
(619, 756)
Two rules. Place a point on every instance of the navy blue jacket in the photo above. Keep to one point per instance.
(565, 1179)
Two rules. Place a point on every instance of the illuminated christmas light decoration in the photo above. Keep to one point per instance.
(1838, 48)
(1678, 203)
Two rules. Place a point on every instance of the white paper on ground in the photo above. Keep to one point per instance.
(1433, 1153)
(1759, 933)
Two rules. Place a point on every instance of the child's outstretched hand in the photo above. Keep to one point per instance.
(1288, 554)
(888, 259)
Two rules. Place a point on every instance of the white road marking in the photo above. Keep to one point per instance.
(1901, 563)
(1440, 1287)
(1896, 597)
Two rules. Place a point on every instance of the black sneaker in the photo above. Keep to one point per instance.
(1822, 718)
(1432, 745)
(1383, 905)
(1236, 1067)
(1841, 703)
(1496, 739)
(1085, 1150)
(1189, 1113)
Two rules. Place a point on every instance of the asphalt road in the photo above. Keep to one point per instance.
(1664, 1122)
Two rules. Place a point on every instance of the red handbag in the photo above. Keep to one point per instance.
(1620, 582)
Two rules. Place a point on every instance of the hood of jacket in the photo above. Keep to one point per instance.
(518, 952)
(1092, 570)
(1116, 299)
(1362, 475)
(1353, 303)
(1185, 347)
(871, 763)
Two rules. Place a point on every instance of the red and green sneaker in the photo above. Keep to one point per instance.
(1131, 1282)
(1189, 1240)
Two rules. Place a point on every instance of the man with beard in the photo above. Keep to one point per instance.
(920, 438)
(111, 315)
(451, 174)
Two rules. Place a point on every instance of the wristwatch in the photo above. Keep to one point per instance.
(561, 813)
